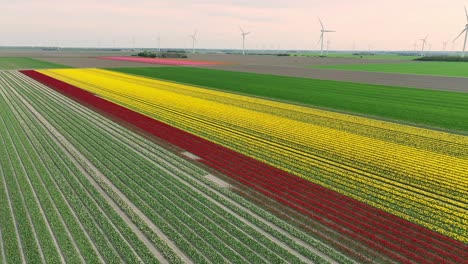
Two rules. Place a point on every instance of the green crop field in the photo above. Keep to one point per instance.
(458, 69)
(439, 109)
(14, 63)
(350, 55)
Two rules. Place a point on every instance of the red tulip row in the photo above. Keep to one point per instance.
(395, 237)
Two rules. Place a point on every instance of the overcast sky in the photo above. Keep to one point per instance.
(284, 24)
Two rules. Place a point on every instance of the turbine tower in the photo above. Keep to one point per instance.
(444, 45)
(159, 43)
(466, 34)
(424, 42)
(243, 39)
(194, 38)
(323, 31)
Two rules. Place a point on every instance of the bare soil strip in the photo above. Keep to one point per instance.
(190, 155)
(217, 181)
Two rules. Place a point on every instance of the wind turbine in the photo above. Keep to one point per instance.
(323, 31)
(466, 33)
(194, 38)
(444, 45)
(424, 42)
(243, 39)
(159, 43)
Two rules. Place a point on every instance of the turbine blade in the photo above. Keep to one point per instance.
(466, 12)
(241, 30)
(321, 24)
(320, 39)
(463, 31)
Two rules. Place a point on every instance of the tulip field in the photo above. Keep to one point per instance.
(401, 191)
(77, 187)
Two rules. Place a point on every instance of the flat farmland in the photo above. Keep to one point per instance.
(361, 56)
(135, 164)
(376, 182)
(16, 63)
(93, 62)
(77, 187)
(439, 109)
(455, 69)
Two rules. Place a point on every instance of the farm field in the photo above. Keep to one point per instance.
(14, 63)
(366, 57)
(456, 69)
(439, 109)
(162, 61)
(409, 172)
(78, 187)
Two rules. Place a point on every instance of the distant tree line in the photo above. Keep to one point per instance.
(166, 54)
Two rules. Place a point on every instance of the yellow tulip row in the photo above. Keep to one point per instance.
(415, 183)
(381, 160)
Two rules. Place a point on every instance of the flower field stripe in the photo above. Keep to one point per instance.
(363, 171)
(150, 152)
(206, 150)
(377, 184)
(128, 167)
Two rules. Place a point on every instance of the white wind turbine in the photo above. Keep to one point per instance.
(194, 38)
(323, 31)
(243, 39)
(159, 43)
(466, 33)
(424, 42)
